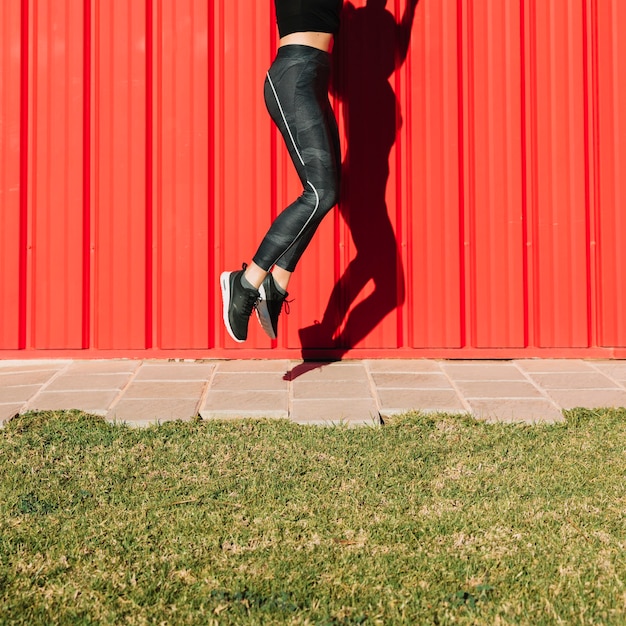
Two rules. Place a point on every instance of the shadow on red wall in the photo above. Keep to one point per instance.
(369, 48)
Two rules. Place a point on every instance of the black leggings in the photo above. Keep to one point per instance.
(296, 96)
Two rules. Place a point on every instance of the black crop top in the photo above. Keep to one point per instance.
(297, 16)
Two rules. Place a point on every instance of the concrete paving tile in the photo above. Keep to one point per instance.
(149, 411)
(503, 389)
(402, 365)
(8, 411)
(614, 369)
(411, 381)
(175, 371)
(396, 401)
(165, 389)
(26, 377)
(252, 381)
(332, 411)
(508, 410)
(253, 365)
(97, 402)
(332, 371)
(574, 380)
(226, 404)
(308, 389)
(21, 393)
(589, 398)
(553, 365)
(104, 366)
(87, 382)
(479, 370)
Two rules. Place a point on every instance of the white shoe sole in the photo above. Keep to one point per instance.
(263, 314)
(225, 287)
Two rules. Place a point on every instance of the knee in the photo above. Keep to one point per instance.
(327, 198)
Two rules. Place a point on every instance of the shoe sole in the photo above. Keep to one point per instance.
(225, 287)
(263, 314)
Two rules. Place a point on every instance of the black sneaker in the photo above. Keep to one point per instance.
(270, 305)
(238, 304)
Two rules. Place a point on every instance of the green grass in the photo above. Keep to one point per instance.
(427, 520)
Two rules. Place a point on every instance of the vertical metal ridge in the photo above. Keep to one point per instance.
(404, 222)
(31, 192)
(590, 138)
(469, 174)
(24, 155)
(219, 191)
(210, 252)
(403, 184)
(157, 169)
(149, 206)
(524, 175)
(463, 261)
(531, 169)
(86, 243)
(192, 291)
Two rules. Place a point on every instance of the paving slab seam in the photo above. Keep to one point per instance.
(207, 388)
(614, 380)
(509, 397)
(25, 408)
(290, 393)
(124, 388)
(461, 396)
(373, 391)
(538, 387)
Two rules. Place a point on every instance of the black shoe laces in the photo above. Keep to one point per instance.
(250, 303)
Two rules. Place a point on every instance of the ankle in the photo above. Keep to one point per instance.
(281, 290)
(246, 283)
(254, 275)
(281, 277)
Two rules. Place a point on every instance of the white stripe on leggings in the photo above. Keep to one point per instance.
(293, 141)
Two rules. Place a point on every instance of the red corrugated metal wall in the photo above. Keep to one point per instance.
(483, 210)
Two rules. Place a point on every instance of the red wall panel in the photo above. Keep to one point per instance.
(11, 136)
(493, 173)
(432, 238)
(56, 175)
(609, 89)
(557, 178)
(122, 251)
(482, 210)
(181, 154)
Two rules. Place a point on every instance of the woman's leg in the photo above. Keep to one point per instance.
(296, 93)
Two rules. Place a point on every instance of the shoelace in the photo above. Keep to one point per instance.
(250, 303)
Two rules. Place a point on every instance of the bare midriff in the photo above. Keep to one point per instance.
(321, 41)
